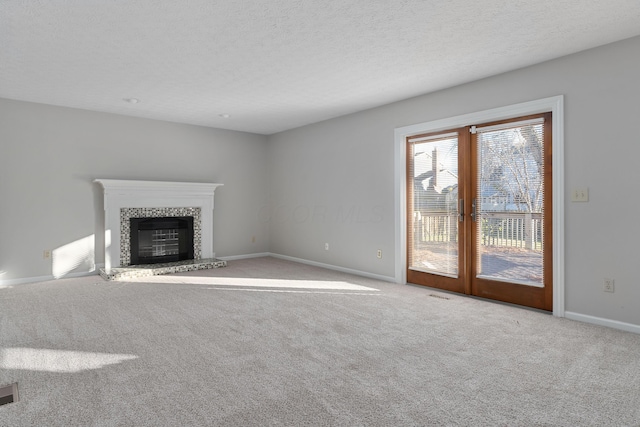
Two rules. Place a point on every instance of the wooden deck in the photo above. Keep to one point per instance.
(503, 262)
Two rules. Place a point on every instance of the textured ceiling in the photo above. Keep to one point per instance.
(279, 64)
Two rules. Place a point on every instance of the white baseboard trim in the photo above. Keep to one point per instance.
(23, 281)
(628, 327)
(336, 268)
(26, 280)
(247, 256)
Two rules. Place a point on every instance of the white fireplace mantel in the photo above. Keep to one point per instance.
(119, 194)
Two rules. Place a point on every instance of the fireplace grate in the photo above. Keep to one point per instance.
(8, 394)
(163, 243)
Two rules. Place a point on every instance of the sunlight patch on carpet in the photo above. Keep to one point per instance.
(65, 361)
(259, 283)
(292, 291)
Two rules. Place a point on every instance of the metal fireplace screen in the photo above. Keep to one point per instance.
(161, 240)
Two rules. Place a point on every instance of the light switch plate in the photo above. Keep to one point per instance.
(580, 195)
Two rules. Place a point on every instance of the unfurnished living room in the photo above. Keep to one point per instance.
(340, 213)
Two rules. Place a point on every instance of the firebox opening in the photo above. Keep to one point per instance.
(160, 240)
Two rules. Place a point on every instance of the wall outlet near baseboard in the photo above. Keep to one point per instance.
(326, 246)
(608, 285)
(46, 254)
(379, 253)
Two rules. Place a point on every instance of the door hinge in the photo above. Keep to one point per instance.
(473, 210)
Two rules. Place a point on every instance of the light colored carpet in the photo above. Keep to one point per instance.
(271, 342)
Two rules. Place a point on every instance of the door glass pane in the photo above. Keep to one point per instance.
(434, 222)
(509, 203)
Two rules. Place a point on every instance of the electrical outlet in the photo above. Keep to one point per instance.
(253, 239)
(580, 195)
(379, 253)
(46, 254)
(608, 285)
(326, 246)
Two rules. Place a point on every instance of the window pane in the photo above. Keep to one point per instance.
(434, 239)
(510, 204)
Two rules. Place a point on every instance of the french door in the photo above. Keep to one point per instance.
(479, 210)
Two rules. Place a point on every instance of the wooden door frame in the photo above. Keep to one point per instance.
(555, 105)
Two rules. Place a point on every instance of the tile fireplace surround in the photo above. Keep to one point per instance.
(124, 199)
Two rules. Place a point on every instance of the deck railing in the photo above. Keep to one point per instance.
(512, 229)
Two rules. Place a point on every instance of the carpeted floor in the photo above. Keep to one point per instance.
(271, 342)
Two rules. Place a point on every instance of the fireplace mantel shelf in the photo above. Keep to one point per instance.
(122, 187)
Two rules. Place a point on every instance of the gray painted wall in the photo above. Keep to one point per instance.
(50, 155)
(347, 165)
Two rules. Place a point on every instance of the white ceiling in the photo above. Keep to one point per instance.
(274, 65)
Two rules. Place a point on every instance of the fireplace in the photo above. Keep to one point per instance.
(124, 200)
(161, 240)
